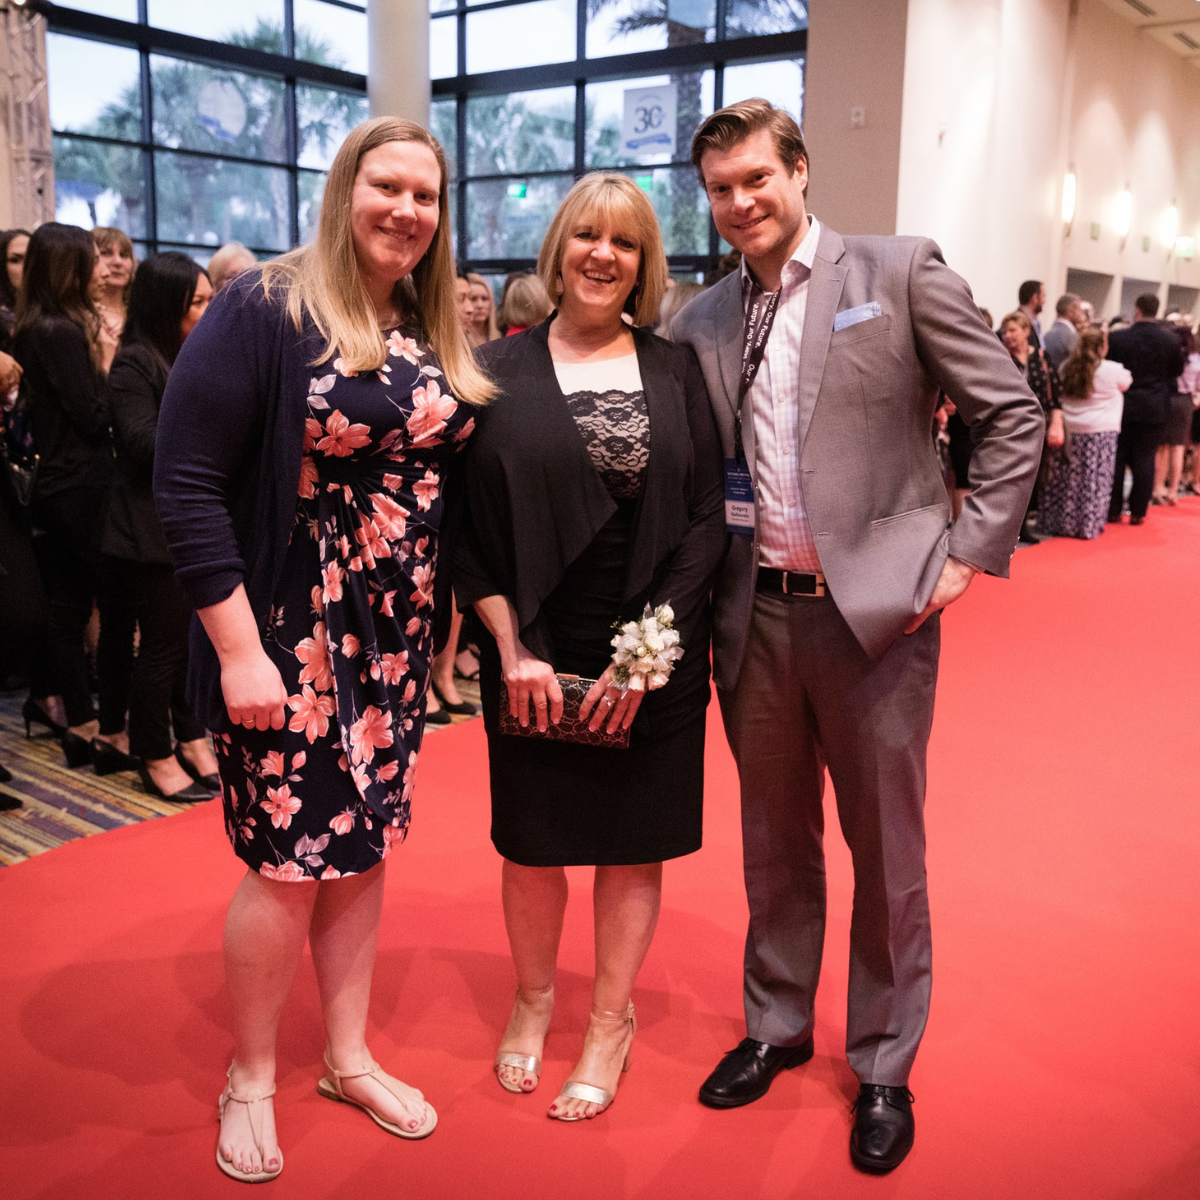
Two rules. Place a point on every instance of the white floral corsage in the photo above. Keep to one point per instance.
(645, 652)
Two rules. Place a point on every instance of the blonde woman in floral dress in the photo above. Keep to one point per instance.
(303, 456)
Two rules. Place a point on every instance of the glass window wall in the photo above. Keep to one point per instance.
(233, 147)
(551, 89)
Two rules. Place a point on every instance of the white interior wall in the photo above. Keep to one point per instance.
(999, 97)
(980, 142)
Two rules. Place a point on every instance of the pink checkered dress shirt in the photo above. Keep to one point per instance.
(785, 539)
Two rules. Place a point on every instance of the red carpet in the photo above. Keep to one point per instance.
(1062, 1058)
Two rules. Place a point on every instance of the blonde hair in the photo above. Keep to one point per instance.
(493, 329)
(673, 302)
(606, 198)
(220, 266)
(525, 302)
(1017, 318)
(324, 278)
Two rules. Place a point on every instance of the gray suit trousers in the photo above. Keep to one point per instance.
(809, 697)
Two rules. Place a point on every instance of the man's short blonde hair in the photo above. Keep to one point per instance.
(609, 200)
(729, 127)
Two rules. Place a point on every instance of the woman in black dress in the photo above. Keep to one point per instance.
(55, 344)
(304, 443)
(167, 299)
(594, 488)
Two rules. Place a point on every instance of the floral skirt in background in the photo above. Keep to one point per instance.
(1078, 486)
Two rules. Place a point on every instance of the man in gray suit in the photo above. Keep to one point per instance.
(1063, 336)
(823, 357)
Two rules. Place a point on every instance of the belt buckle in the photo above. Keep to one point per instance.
(818, 589)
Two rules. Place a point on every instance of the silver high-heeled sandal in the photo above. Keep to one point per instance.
(331, 1089)
(529, 1063)
(586, 1092)
(250, 1100)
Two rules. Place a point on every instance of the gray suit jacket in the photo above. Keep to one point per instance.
(871, 479)
(1061, 338)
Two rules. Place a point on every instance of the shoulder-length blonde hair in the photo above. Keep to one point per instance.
(324, 280)
(609, 200)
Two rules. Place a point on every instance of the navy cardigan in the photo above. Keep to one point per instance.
(227, 466)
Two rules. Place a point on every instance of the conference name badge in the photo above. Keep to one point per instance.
(739, 497)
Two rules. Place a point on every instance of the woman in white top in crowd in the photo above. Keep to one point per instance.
(1076, 494)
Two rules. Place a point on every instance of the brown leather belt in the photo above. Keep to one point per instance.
(790, 583)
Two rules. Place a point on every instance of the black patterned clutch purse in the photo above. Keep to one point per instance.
(571, 728)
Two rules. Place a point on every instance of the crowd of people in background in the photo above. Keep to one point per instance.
(87, 339)
(1123, 413)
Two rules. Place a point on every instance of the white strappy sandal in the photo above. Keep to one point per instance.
(586, 1091)
(529, 1063)
(253, 1103)
(331, 1089)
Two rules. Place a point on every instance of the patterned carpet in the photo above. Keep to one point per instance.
(59, 804)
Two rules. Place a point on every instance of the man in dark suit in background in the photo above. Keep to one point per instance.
(1153, 355)
(1031, 299)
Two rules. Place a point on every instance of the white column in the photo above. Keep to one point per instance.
(398, 59)
(26, 154)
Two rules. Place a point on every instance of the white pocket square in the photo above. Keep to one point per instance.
(854, 316)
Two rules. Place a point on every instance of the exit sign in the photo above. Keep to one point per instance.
(517, 191)
(645, 182)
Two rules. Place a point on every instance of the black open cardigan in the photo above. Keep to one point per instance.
(534, 502)
(227, 467)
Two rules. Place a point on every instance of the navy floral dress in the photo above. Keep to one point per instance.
(351, 627)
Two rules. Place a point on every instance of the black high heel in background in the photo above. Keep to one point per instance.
(77, 750)
(194, 793)
(209, 781)
(108, 759)
(464, 708)
(35, 714)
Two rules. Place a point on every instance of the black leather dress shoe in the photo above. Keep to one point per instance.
(744, 1075)
(883, 1128)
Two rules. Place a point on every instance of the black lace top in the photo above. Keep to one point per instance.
(612, 418)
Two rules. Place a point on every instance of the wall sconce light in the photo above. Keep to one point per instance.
(1068, 199)
(1169, 226)
(1122, 214)
(1185, 248)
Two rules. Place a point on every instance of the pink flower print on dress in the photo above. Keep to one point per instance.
(311, 713)
(339, 365)
(393, 483)
(343, 822)
(370, 731)
(426, 490)
(395, 667)
(391, 519)
(331, 873)
(392, 834)
(410, 775)
(313, 652)
(272, 764)
(282, 805)
(432, 408)
(341, 438)
(466, 431)
(388, 772)
(423, 585)
(385, 603)
(413, 627)
(289, 873)
(372, 545)
(331, 577)
(312, 431)
(362, 780)
(350, 645)
(318, 601)
(308, 477)
(400, 346)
